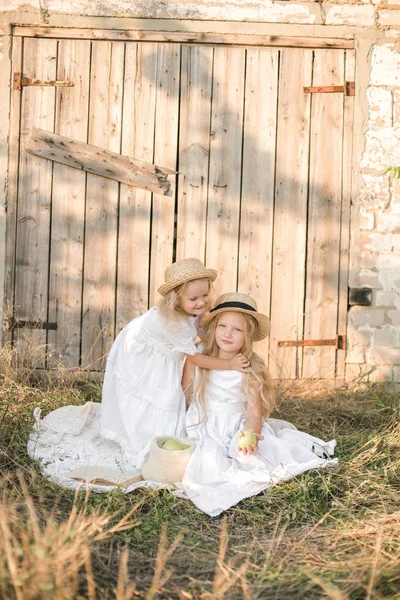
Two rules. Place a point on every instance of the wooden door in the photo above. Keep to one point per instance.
(262, 193)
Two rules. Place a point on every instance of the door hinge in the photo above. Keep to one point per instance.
(339, 342)
(10, 323)
(19, 82)
(348, 88)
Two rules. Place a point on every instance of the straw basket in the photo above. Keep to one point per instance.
(167, 466)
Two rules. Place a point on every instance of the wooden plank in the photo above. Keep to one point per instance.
(257, 207)
(106, 85)
(98, 161)
(12, 192)
(34, 199)
(194, 142)
(165, 152)
(135, 204)
(184, 37)
(68, 213)
(345, 212)
(289, 244)
(225, 166)
(325, 199)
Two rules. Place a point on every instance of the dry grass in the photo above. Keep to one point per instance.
(44, 557)
(346, 562)
(326, 534)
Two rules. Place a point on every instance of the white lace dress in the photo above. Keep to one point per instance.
(218, 476)
(142, 398)
(142, 393)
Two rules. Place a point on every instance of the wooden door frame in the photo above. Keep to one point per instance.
(187, 32)
(31, 38)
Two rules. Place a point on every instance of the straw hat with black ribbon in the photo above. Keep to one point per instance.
(243, 303)
(182, 271)
(167, 466)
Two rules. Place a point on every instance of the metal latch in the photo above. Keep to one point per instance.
(348, 88)
(10, 323)
(19, 82)
(360, 296)
(339, 342)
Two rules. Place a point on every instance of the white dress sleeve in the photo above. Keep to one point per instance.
(182, 337)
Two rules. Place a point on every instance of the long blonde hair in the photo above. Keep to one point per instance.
(257, 372)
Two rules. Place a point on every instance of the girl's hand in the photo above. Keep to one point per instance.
(239, 362)
(254, 447)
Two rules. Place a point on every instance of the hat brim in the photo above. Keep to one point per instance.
(262, 320)
(199, 274)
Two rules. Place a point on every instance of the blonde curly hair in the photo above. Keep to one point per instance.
(170, 305)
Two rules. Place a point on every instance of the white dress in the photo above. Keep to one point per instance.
(142, 398)
(142, 393)
(218, 476)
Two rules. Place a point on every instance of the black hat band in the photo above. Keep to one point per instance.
(233, 305)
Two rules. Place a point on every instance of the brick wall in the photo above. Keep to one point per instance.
(362, 13)
(374, 332)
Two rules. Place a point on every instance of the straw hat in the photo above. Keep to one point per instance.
(185, 270)
(167, 466)
(239, 303)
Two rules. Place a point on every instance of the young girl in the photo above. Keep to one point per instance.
(142, 393)
(223, 468)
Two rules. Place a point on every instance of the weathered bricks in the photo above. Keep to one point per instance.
(360, 315)
(348, 14)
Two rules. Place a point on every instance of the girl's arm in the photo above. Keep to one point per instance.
(238, 363)
(254, 419)
(187, 381)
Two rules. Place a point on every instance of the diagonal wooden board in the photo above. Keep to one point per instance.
(98, 161)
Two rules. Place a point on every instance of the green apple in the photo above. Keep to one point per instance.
(174, 445)
(246, 439)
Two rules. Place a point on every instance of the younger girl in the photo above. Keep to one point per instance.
(219, 473)
(142, 394)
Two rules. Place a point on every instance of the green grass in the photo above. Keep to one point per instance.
(326, 534)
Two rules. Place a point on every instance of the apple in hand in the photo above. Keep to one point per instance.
(246, 439)
(174, 445)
